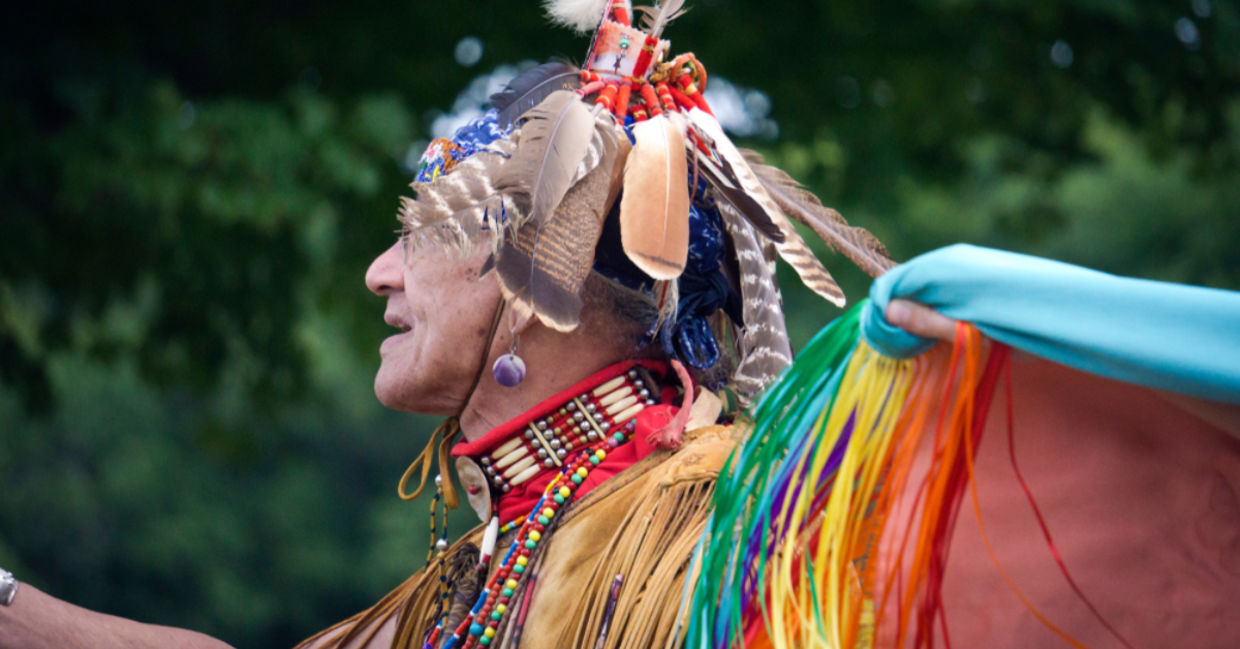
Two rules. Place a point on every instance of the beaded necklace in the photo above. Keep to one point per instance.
(568, 441)
(493, 604)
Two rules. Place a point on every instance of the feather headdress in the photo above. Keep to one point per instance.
(630, 137)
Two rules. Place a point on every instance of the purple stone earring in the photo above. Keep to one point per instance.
(509, 370)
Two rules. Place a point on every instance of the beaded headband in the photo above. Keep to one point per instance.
(620, 168)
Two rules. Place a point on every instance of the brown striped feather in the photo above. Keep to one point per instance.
(855, 243)
(792, 249)
(764, 348)
(458, 206)
(542, 268)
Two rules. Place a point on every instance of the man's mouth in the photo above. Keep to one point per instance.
(394, 321)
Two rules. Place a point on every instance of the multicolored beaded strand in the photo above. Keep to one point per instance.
(484, 619)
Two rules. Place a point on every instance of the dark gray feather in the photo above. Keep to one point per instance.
(529, 88)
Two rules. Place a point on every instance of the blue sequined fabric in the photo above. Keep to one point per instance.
(703, 290)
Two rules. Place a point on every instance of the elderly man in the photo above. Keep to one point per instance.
(636, 514)
(583, 267)
(584, 290)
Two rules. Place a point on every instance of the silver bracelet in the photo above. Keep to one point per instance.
(8, 587)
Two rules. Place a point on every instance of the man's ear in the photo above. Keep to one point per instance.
(519, 322)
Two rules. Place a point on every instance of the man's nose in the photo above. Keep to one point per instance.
(386, 272)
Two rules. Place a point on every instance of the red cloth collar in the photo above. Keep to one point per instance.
(521, 498)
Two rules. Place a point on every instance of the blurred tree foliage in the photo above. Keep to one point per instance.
(191, 194)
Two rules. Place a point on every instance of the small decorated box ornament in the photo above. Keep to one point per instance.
(623, 51)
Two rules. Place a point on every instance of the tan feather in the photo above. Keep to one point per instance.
(654, 211)
(793, 248)
(764, 348)
(542, 267)
(855, 243)
(553, 140)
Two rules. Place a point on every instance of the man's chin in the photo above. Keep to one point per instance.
(390, 392)
(422, 400)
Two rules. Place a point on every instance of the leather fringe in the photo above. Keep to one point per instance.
(412, 603)
(652, 549)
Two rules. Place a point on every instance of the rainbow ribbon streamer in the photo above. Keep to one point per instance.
(822, 536)
(791, 555)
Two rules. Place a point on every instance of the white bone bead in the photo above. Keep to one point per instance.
(630, 413)
(524, 475)
(615, 396)
(608, 386)
(621, 404)
(519, 467)
(511, 457)
(506, 448)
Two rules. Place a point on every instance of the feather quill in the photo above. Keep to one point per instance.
(793, 248)
(530, 88)
(855, 243)
(542, 268)
(554, 138)
(654, 210)
(764, 347)
(579, 15)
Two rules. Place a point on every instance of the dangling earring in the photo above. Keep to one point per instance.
(509, 369)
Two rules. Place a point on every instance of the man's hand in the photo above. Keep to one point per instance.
(920, 320)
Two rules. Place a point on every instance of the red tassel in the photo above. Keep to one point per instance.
(682, 100)
(619, 12)
(652, 101)
(622, 100)
(691, 91)
(670, 435)
(591, 88)
(665, 97)
(607, 96)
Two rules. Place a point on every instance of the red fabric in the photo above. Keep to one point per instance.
(522, 498)
(1142, 495)
(500, 434)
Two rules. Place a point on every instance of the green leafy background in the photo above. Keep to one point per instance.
(190, 194)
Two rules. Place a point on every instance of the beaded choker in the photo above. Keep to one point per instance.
(513, 461)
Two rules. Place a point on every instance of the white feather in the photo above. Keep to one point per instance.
(665, 13)
(579, 15)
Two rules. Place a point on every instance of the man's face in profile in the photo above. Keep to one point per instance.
(443, 311)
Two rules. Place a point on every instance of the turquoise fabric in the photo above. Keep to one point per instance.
(1169, 336)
